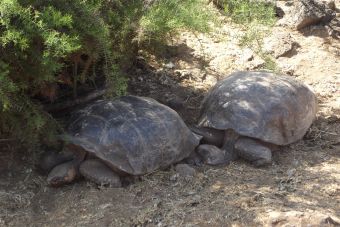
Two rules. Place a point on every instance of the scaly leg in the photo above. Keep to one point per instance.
(253, 151)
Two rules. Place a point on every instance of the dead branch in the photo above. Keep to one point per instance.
(56, 107)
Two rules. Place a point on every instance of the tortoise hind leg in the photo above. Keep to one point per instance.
(253, 151)
(97, 172)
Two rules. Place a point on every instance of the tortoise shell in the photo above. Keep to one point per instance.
(133, 135)
(273, 108)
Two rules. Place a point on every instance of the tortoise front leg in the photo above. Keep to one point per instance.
(254, 151)
(230, 138)
(97, 172)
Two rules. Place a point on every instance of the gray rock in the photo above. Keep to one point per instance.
(169, 65)
(330, 4)
(310, 12)
(333, 28)
(185, 170)
(279, 44)
(247, 55)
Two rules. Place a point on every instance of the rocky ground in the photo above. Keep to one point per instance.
(300, 188)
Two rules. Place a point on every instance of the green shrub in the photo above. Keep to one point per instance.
(257, 18)
(40, 40)
(169, 16)
(247, 11)
(253, 39)
(48, 44)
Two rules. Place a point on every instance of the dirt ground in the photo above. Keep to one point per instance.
(300, 188)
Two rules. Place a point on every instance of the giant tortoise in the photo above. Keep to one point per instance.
(127, 136)
(247, 113)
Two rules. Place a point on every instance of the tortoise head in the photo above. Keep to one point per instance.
(67, 172)
(63, 174)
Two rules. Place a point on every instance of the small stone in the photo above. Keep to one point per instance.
(174, 177)
(247, 55)
(256, 63)
(291, 173)
(184, 170)
(279, 44)
(169, 65)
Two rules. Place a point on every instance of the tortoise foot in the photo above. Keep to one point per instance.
(253, 151)
(194, 159)
(97, 172)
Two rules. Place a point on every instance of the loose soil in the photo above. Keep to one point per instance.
(300, 188)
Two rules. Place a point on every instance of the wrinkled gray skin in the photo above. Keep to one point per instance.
(248, 113)
(128, 136)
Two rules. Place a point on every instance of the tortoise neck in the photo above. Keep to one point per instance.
(79, 153)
